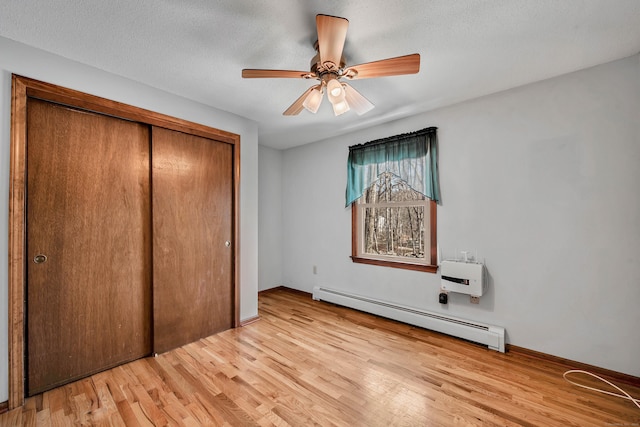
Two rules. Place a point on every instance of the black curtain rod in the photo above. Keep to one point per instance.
(420, 132)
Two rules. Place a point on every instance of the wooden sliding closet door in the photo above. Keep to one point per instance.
(192, 203)
(88, 244)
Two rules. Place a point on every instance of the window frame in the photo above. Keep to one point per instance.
(356, 257)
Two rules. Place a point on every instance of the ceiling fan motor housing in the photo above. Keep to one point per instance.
(321, 69)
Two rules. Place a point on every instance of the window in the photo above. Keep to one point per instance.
(394, 225)
(392, 187)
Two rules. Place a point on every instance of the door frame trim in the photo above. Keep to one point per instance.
(23, 88)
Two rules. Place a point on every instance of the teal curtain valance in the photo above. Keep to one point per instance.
(413, 157)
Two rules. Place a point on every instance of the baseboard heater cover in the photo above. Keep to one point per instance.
(489, 335)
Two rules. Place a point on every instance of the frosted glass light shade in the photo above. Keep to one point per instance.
(335, 91)
(340, 107)
(313, 100)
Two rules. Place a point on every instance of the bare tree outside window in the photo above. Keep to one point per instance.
(393, 220)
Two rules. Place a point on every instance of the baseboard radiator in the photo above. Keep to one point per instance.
(489, 335)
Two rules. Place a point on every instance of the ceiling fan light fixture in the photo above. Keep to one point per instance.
(328, 67)
(335, 91)
(313, 100)
(340, 107)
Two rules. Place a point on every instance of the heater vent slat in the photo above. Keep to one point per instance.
(492, 336)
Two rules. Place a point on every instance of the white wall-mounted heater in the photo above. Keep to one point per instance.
(462, 277)
(489, 335)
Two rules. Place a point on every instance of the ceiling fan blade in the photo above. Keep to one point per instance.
(248, 73)
(408, 64)
(332, 32)
(297, 106)
(356, 101)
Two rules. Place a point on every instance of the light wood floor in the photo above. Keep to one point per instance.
(313, 363)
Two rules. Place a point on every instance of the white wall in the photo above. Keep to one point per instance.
(23, 60)
(269, 218)
(541, 180)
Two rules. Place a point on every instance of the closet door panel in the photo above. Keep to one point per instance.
(88, 244)
(192, 204)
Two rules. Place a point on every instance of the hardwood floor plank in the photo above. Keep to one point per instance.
(12, 418)
(43, 417)
(176, 413)
(312, 363)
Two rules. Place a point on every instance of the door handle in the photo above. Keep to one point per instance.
(39, 259)
(227, 243)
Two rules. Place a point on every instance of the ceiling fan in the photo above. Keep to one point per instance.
(328, 67)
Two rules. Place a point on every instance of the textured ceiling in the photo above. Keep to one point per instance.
(197, 49)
